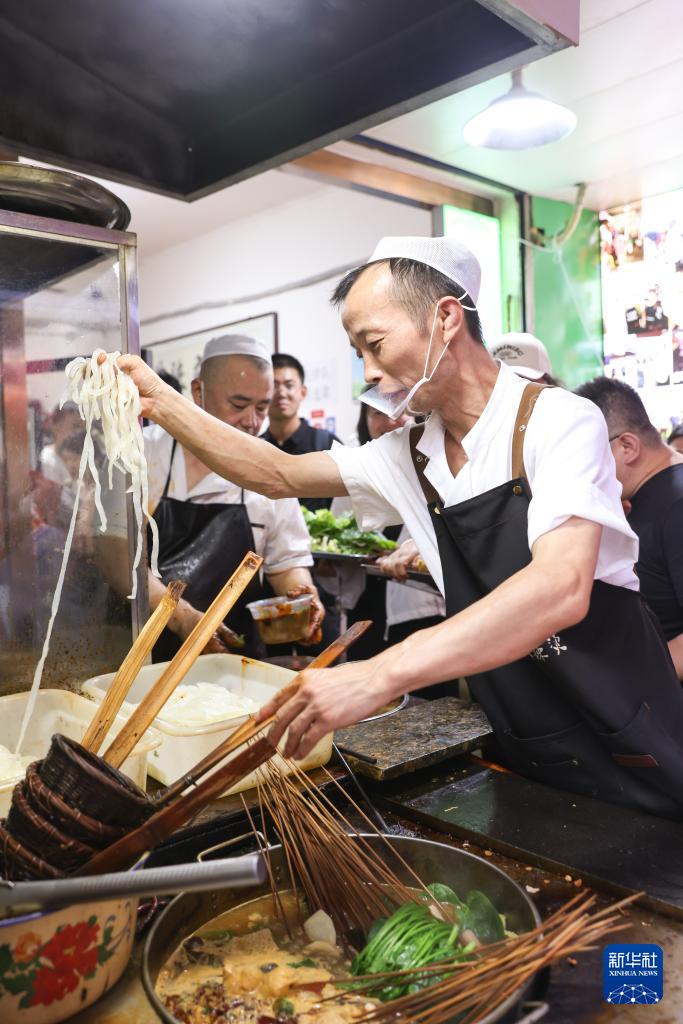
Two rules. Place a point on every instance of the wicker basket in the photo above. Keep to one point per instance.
(89, 784)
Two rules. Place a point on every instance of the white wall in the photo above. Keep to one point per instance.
(329, 228)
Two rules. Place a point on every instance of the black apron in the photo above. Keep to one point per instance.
(596, 710)
(202, 544)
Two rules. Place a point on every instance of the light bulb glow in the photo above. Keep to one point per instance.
(519, 120)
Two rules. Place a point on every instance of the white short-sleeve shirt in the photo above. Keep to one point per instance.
(280, 534)
(567, 459)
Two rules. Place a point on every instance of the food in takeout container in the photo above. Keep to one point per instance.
(282, 620)
(58, 711)
(185, 743)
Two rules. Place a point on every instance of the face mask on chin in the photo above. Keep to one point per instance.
(394, 403)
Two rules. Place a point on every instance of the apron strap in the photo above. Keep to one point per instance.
(526, 407)
(420, 462)
(164, 493)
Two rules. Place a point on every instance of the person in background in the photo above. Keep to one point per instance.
(207, 524)
(675, 438)
(526, 355)
(651, 475)
(63, 422)
(286, 428)
(293, 434)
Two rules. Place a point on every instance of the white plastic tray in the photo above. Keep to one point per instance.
(69, 714)
(182, 748)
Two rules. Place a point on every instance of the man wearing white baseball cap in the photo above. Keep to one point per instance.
(526, 355)
(509, 492)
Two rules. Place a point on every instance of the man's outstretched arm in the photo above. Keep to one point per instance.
(247, 461)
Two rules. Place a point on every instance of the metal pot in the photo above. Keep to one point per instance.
(431, 861)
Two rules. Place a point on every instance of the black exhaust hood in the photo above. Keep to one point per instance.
(184, 98)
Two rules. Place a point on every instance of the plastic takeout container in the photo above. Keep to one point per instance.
(282, 620)
(69, 714)
(182, 747)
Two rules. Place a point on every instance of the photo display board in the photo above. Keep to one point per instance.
(641, 248)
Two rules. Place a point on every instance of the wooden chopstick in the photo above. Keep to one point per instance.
(249, 729)
(149, 708)
(126, 851)
(131, 665)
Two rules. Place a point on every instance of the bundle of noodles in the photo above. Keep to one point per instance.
(103, 395)
(332, 867)
(109, 397)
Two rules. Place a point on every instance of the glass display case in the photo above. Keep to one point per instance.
(65, 289)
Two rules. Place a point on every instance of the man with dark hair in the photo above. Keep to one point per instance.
(509, 492)
(287, 429)
(295, 435)
(651, 476)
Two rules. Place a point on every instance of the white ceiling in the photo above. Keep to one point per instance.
(624, 82)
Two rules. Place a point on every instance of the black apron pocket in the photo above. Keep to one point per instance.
(645, 751)
(566, 759)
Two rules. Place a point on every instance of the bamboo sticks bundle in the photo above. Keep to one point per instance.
(477, 987)
(338, 871)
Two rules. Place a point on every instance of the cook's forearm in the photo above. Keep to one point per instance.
(676, 652)
(505, 625)
(283, 582)
(247, 461)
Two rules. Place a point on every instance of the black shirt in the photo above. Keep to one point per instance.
(657, 517)
(306, 439)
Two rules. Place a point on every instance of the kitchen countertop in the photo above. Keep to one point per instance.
(423, 734)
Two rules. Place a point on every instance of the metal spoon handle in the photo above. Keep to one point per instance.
(237, 872)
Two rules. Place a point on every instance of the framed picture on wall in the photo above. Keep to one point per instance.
(181, 355)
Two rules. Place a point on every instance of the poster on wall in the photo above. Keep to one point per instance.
(181, 355)
(641, 249)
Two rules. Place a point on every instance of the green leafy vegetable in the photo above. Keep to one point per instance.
(284, 1007)
(415, 936)
(482, 918)
(341, 536)
(411, 938)
(307, 962)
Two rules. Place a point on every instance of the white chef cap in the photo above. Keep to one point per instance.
(236, 345)
(449, 257)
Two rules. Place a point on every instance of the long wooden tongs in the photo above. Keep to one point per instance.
(149, 708)
(130, 666)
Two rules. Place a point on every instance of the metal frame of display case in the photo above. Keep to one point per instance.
(14, 391)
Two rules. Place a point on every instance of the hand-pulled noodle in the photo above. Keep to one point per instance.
(102, 393)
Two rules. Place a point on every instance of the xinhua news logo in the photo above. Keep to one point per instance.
(632, 973)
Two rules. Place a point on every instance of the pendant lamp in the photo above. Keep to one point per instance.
(520, 119)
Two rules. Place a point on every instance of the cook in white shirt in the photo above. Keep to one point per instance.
(409, 314)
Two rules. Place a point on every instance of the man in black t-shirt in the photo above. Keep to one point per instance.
(651, 475)
(295, 435)
(289, 431)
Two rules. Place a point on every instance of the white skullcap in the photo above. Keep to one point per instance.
(449, 257)
(236, 345)
(524, 353)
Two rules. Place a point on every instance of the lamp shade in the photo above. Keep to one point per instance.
(520, 119)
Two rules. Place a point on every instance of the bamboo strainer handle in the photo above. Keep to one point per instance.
(131, 665)
(149, 708)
